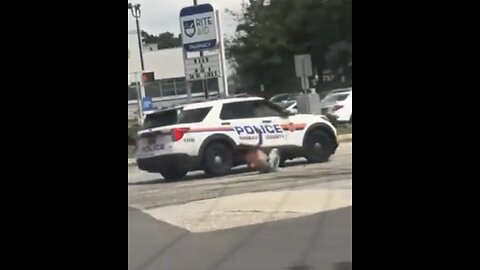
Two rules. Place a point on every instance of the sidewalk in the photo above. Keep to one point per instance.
(252, 208)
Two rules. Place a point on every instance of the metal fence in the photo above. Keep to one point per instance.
(172, 88)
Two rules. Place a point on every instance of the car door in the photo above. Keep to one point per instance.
(239, 115)
(272, 123)
(251, 117)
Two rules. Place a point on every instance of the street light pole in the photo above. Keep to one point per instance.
(136, 13)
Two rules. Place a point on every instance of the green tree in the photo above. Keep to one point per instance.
(268, 37)
(163, 40)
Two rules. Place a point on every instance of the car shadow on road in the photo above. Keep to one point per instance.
(189, 177)
(235, 171)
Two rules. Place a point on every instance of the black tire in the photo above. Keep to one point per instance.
(318, 146)
(174, 174)
(218, 159)
(281, 164)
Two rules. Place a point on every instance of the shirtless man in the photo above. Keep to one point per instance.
(258, 160)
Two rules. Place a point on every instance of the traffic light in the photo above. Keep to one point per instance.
(148, 77)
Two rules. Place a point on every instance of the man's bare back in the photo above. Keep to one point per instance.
(258, 160)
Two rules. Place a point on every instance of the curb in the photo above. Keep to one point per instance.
(344, 138)
(341, 139)
(132, 162)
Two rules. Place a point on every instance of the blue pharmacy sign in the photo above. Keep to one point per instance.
(198, 26)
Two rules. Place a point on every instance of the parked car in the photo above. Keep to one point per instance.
(283, 98)
(337, 106)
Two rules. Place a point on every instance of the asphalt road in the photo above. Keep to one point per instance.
(322, 242)
(319, 241)
(147, 191)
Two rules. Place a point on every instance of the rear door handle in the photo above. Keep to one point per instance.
(267, 121)
(225, 123)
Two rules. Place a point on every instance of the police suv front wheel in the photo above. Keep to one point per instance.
(218, 159)
(318, 146)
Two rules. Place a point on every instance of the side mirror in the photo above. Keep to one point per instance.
(287, 113)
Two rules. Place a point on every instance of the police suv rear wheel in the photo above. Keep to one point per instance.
(173, 174)
(218, 159)
(318, 146)
(281, 164)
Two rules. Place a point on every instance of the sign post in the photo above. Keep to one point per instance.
(199, 33)
(188, 84)
(222, 55)
(139, 95)
(303, 69)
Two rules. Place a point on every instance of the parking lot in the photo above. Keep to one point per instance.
(149, 192)
(302, 214)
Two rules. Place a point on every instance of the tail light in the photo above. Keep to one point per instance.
(177, 133)
(337, 107)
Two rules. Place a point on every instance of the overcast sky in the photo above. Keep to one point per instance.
(159, 16)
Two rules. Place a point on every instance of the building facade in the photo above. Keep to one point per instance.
(170, 86)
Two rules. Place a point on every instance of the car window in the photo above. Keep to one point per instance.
(293, 97)
(341, 97)
(286, 104)
(336, 97)
(249, 109)
(265, 109)
(160, 119)
(338, 91)
(237, 110)
(280, 98)
(193, 116)
(177, 116)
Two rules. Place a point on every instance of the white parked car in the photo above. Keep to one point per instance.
(208, 136)
(337, 106)
(284, 98)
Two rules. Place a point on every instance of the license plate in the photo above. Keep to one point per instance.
(152, 140)
(152, 148)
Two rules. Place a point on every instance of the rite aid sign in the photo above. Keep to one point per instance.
(199, 32)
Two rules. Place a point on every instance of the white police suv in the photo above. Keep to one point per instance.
(208, 136)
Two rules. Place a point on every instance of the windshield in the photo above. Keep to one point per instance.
(161, 119)
(285, 105)
(336, 97)
(279, 98)
(340, 91)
